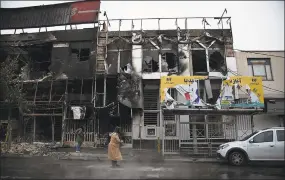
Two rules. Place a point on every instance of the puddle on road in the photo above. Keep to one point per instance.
(152, 176)
(133, 168)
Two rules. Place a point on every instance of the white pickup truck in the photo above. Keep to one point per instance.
(262, 145)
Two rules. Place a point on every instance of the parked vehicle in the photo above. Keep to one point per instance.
(262, 145)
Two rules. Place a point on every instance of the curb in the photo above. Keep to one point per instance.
(103, 157)
(198, 160)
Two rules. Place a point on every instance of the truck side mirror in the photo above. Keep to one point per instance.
(250, 141)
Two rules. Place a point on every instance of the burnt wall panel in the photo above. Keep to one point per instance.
(59, 60)
(55, 36)
(68, 60)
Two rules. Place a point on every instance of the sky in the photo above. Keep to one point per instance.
(256, 25)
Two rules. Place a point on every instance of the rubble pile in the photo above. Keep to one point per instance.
(26, 148)
(36, 149)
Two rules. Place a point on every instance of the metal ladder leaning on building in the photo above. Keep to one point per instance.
(101, 67)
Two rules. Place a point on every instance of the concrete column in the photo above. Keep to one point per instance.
(137, 57)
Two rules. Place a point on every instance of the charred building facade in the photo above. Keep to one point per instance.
(99, 79)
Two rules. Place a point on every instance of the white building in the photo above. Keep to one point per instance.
(269, 65)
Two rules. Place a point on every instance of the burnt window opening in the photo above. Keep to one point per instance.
(150, 58)
(126, 60)
(40, 56)
(87, 86)
(28, 89)
(169, 62)
(81, 54)
(111, 90)
(43, 132)
(150, 65)
(43, 91)
(74, 86)
(199, 62)
(216, 62)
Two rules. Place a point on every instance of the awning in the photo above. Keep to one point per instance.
(188, 111)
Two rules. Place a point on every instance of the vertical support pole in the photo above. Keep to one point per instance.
(92, 89)
(52, 128)
(119, 61)
(34, 130)
(94, 110)
(105, 84)
(178, 130)
(190, 65)
(64, 109)
(194, 132)
(159, 62)
(81, 89)
(162, 130)
(207, 59)
(9, 128)
(36, 93)
(236, 127)
(252, 123)
(50, 92)
(158, 21)
(131, 128)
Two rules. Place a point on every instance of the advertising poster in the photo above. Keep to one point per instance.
(237, 87)
(187, 86)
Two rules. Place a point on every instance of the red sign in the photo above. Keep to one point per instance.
(85, 12)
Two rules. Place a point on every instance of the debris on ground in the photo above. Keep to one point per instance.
(35, 149)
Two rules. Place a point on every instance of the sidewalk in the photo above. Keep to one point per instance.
(100, 154)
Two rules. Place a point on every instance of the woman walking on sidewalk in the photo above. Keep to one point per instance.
(79, 133)
(114, 153)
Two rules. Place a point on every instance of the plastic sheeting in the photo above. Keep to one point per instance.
(78, 112)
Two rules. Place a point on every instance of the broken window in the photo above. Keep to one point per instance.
(40, 60)
(80, 50)
(216, 61)
(81, 54)
(169, 62)
(199, 62)
(150, 58)
(125, 59)
(43, 91)
(111, 88)
(99, 92)
(58, 90)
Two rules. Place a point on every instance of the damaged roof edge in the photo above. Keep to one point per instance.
(172, 32)
(86, 34)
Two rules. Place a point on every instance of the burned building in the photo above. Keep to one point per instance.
(100, 78)
(56, 70)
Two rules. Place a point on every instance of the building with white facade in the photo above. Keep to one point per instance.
(270, 66)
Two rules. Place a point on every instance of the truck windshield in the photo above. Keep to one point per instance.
(248, 136)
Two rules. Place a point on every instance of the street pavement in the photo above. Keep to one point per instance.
(49, 168)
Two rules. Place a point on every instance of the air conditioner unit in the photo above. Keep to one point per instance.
(150, 131)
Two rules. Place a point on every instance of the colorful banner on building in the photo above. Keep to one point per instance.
(187, 86)
(237, 86)
(236, 92)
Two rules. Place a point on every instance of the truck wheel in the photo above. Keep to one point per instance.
(237, 158)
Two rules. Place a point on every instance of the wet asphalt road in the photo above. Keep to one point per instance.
(46, 167)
